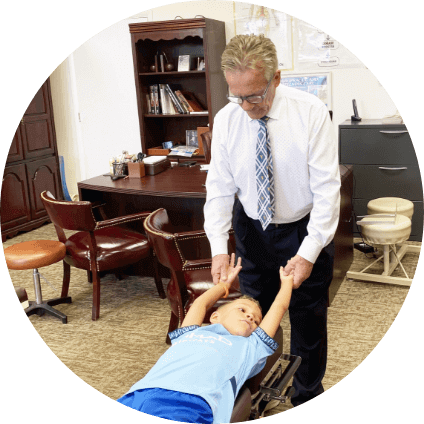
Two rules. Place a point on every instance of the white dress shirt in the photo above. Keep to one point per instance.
(306, 169)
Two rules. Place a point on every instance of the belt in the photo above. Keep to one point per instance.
(274, 225)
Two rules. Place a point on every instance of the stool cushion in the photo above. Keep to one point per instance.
(391, 205)
(116, 247)
(34, 254)
(387, 234)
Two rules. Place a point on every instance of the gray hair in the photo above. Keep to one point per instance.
(250, 52)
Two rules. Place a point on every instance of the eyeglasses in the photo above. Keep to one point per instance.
(249, 99)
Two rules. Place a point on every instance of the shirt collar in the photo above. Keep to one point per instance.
(274, 112)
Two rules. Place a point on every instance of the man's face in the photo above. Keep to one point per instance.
(252, 82)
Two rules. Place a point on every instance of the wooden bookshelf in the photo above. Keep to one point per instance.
(203, 38)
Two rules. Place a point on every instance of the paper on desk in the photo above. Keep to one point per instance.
(186, 151)
(204, 167)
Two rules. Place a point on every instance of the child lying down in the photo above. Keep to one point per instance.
(198, 378)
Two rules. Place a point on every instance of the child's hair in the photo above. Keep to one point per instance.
(245, 296)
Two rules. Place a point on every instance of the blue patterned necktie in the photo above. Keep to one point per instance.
(264, 175)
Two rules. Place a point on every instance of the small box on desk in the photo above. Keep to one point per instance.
(136, 170)
(156, 164)
(158, 151)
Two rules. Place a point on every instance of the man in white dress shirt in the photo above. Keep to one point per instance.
(304, 205)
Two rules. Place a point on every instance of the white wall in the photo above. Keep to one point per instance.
(99, 118)
(68, 130)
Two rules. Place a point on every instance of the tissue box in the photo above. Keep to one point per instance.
(156, 164)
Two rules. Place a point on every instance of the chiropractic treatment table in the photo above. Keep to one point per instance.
(272, 383)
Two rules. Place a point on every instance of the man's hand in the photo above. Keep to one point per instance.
(220, 268)
(232, 271)
(197, 312)
(300, 268)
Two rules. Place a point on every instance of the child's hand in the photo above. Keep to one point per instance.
(286, 279)
(232, 271)
(300, 268)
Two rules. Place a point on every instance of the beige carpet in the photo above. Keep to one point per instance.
(118, 349)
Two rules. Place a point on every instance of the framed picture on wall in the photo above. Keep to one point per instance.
(318, 84)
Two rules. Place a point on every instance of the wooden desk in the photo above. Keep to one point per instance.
(179, 190)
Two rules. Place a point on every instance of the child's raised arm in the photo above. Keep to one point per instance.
(273, 318)
(197, 312)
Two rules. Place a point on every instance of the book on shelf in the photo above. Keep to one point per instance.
(192, 101)
(174, 99)
(167, 106)
(154, 92)
(163, 100)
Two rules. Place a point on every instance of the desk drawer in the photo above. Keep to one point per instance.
(376, 146)
(372, 181)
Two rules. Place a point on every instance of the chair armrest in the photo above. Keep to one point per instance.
(186, 235)
(189, 242)
(121, 220)
(197, 234)
(97, 204)
(192, 246)
(193, 264)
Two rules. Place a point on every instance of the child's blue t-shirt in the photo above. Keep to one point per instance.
(211, 363)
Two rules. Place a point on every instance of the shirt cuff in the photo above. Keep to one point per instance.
(180, 331)
(309, 249)
(269, 341)
(219, 246)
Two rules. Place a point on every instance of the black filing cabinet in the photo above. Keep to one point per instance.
(384, 165)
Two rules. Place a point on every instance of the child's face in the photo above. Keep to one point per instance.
(240, 318)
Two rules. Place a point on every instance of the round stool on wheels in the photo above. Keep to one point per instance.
(387, 225)
(33, 255)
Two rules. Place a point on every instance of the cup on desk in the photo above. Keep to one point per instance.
(119, 168)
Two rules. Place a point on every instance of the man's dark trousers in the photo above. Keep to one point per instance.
(262, 253)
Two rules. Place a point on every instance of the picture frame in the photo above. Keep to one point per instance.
(191, 138)
(184, 63)
(316, 83)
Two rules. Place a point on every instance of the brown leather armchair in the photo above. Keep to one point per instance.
(97, 245)
(189, 277)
